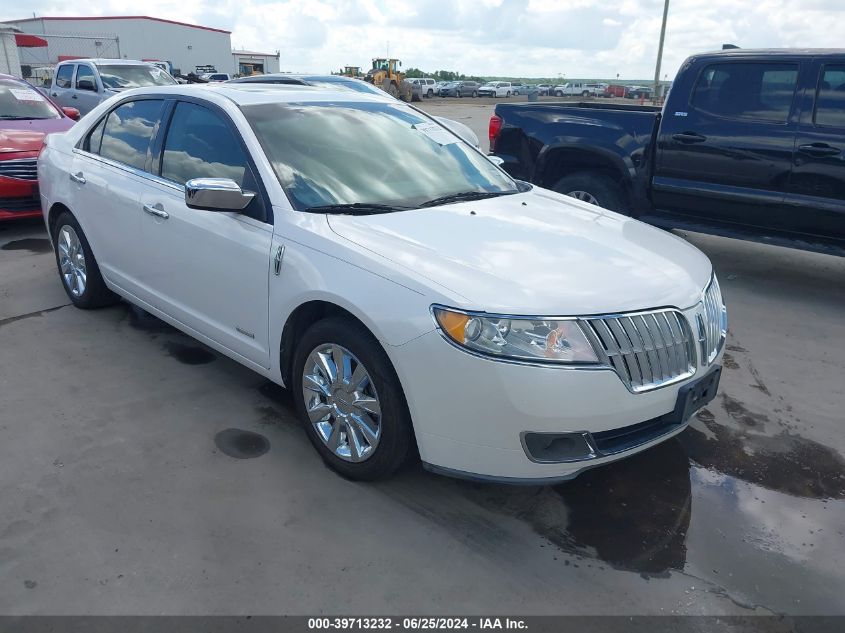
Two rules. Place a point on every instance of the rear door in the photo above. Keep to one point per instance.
(110, 168)
(63, 85)
(726, 158)
(815, 201)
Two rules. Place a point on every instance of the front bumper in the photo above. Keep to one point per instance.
(471, 414)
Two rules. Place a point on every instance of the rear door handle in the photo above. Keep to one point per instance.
(73, 96)
(689, 137)
(818, 149)
(78, 178)
(156, 211)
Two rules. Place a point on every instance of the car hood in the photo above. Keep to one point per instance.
(535, 253)
(28, 135)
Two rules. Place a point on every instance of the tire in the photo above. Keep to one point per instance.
(458, 94)
(393, 425)
(392, 90)
(430, 93)
(474, 94)
(508, 94)
(558, 93)
(606, 193)
(80, 276)
(585, 93)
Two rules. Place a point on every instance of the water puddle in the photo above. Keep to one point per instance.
(31, 244)
(189, 354)
(241, 444)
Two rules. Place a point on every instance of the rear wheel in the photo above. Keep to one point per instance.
(458, 94)
(78, 269)
(350, 400)
(594, 188)
(558, 93)
(508, 94)
(585, 93)
(474, 94)
(430, 93)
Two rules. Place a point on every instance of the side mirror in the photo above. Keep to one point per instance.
(71, 113)
(216, 194)
(86, 84)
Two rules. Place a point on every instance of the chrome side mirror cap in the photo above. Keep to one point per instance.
(498, 161)
(216, 194)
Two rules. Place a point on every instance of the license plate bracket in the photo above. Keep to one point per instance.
(696, 395)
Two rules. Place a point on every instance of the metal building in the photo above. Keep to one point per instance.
(188, 47)
(251, 63)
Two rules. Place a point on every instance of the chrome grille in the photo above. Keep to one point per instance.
(712, 323)
(22, 168)
(647, 349)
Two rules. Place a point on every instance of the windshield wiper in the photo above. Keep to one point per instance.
(356, 208)
(464, 195)
(12, 117)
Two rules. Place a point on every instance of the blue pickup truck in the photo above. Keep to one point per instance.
(749, 144)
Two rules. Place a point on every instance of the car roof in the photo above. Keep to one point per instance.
(775, 52)
(97, 61)
(245, 94)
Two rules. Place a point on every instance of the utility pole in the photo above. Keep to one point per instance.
(655, 94)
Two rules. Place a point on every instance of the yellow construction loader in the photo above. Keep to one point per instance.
(385, 74)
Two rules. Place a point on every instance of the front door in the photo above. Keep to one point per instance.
(62, 88)
(209, 270)
(815, 202)
(728, 156)
(86, 95)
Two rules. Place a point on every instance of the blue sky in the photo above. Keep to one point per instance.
(571, 38)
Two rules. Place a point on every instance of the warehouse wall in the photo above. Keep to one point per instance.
(185, 46)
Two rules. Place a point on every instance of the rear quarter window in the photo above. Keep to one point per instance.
(747, 90)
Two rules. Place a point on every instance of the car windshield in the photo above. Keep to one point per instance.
(385, 153)
(124, 76)
(20, 101)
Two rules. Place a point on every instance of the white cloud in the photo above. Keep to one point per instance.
(532, 38)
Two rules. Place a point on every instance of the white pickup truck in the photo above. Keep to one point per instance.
(84, 83)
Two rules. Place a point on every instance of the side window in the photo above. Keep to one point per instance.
(830, 97)
(745, 90)
(64, 75)
(128, 131)
(85, 78)
(200, 144)
(95, 137)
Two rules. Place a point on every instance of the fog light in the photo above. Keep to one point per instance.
(557, 447)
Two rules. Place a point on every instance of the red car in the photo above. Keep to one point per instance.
(26, 117)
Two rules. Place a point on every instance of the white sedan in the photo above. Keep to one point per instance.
(405, 289)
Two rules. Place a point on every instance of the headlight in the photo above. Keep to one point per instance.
(536, 340)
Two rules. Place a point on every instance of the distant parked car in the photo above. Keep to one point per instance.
(426, 85)
(545, 89)
(576, 88)
(638, 92)
(460, 89)
(26, 117)
(518, 88)
(438, 86)
(84, 83)
(212, 77)
(496, 89)
(615, 90)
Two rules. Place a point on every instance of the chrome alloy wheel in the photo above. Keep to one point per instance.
(341, 402)
(72, 261)
(584, 196)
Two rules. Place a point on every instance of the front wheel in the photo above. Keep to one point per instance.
(350, 400)
(594, 188)
(430, 94)
(558, 93)
(474, 94)
(508, 94)
(458, 94)
(78, 269)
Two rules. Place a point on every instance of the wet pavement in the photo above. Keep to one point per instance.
(141, 472)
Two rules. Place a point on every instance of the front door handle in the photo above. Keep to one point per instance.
(73, 96)
(156, 211)
(818, 149)
(55, 94)
(689, 137)
(78, 178)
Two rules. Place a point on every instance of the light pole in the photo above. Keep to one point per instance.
(660, 50)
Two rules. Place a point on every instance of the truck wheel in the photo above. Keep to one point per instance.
(594, 188)
(558, 93)
(458, 94)
(585, 93)
(430, 93)
(474, 94)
